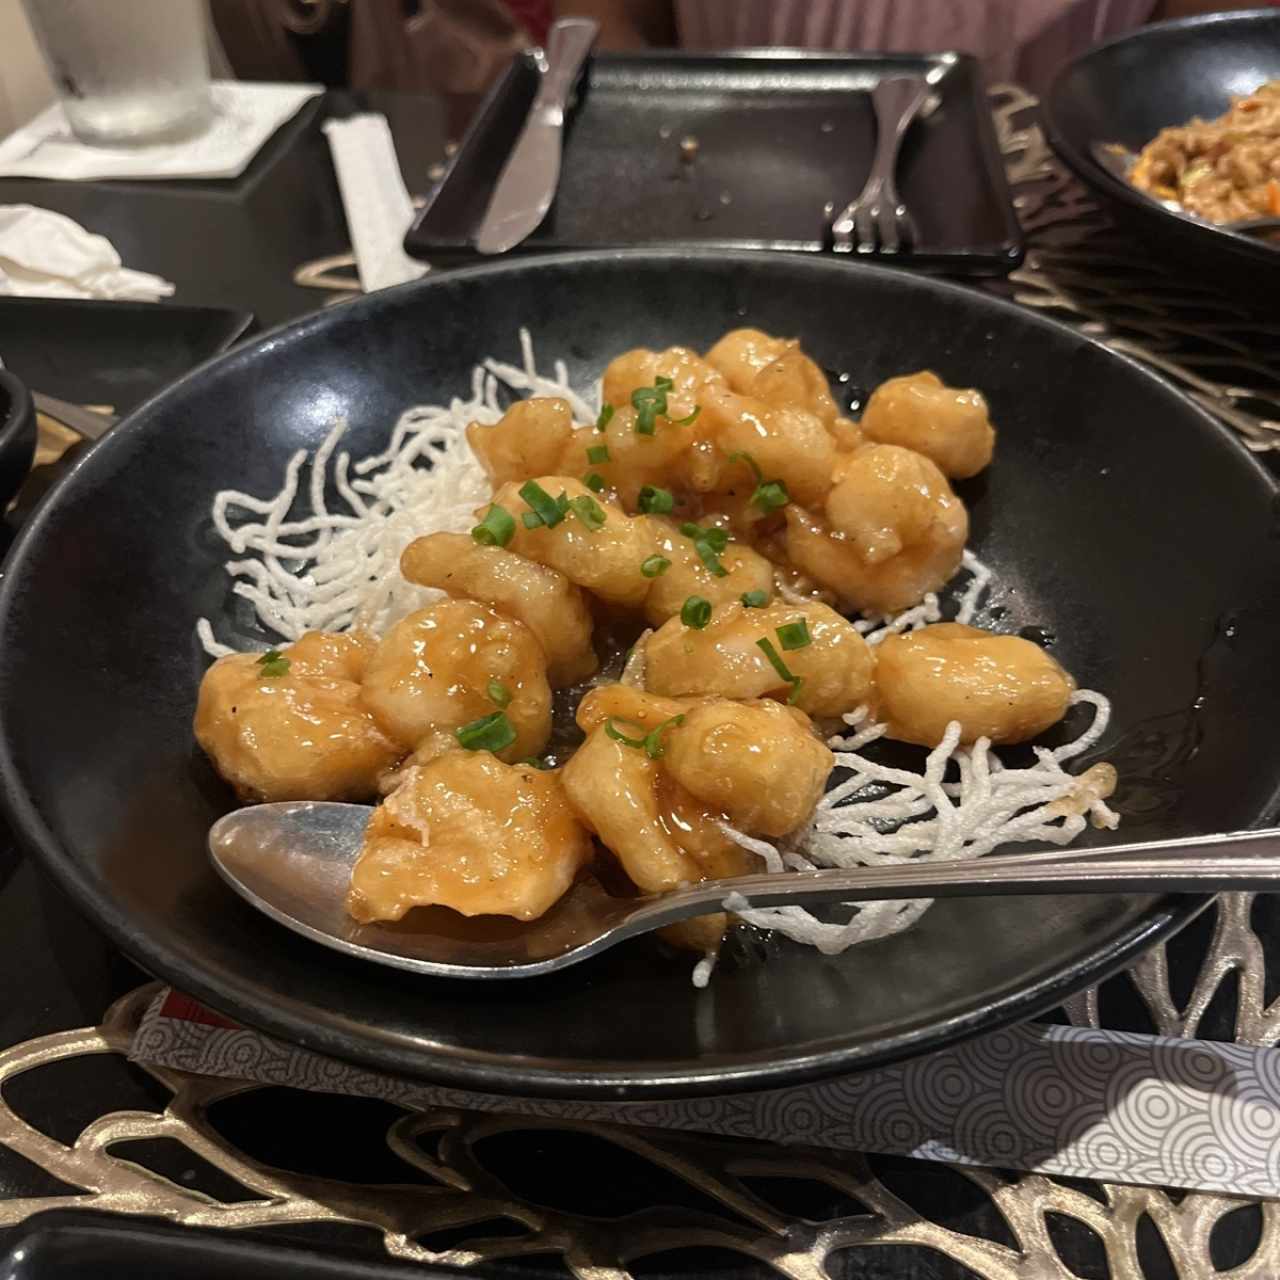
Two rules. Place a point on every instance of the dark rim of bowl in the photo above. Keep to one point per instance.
(306, 1026)
(13, 391)
(18, 433)
(1093, 174)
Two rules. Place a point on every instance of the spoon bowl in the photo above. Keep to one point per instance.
(293, 862)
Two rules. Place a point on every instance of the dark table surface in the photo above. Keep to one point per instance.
(236, 244)
(230, 244)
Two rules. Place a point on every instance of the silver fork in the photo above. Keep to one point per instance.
(878, 221)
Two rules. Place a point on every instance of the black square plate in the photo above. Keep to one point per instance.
(75, 1245)
(113, 354)
(783, 140)
(110, 353)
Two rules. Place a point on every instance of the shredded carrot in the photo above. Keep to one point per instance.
(1273, 197)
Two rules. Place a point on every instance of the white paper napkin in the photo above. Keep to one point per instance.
(245, 116)
(375, 198)
(46, 255)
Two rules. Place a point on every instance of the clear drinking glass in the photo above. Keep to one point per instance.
(129, 71)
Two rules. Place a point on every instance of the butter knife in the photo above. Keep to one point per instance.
(85, 422)
(528, 181)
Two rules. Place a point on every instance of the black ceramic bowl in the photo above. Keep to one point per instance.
(17, 435)
(1117, 515)
(1130, 88)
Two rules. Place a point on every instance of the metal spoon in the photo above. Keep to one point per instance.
(1119, 162)
(293, 862)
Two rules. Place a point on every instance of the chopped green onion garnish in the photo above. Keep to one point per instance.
(771, 495)
(589, 511)
(743, 456)
(618, 736)
(710, 558)
(689, 418)
(594, 481)
(498, 693)
(597, 454)
(663, 383)
(273, 664)
(695, 612)
(794, 696)
(716, 538)
(606, 417)
(708, 543)
(775, 658)
(654, 501)
(532, 520)
(648, 402)
(650, 744)
(754, 599)
(543, 505)
(496, 528)
(655, 566)
(653, 741)
(794, 635)
(776, 662)
(489, 733)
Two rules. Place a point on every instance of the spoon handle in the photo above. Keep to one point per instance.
(1202, 864)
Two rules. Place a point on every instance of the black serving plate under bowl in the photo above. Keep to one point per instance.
(1127, 90)
(1117, 515)
(72, 1244)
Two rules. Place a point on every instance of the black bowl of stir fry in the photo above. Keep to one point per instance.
(687, 620)
(1177, 128)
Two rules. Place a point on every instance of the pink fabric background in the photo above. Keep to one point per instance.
(1023, 40)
